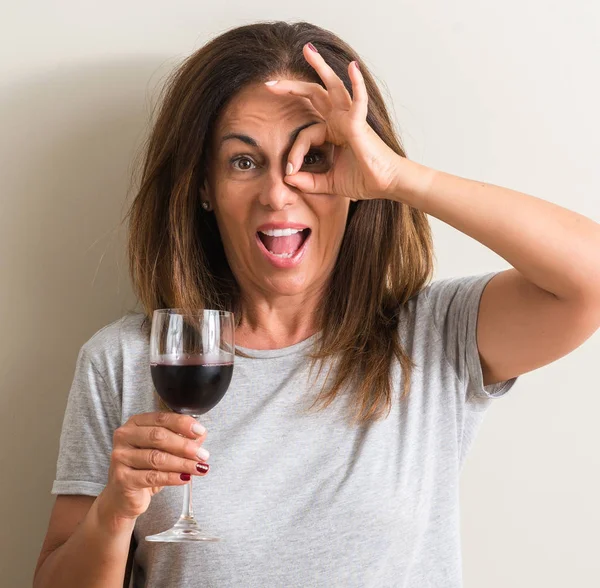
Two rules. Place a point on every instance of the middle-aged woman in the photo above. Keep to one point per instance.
(350, 478)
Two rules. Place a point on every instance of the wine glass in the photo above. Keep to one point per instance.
(191, 362)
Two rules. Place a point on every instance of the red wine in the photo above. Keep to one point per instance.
(191, 386)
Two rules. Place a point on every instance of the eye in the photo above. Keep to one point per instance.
(241, 158)
(314, 157)
(313, 154)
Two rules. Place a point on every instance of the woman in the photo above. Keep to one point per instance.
(363, 490)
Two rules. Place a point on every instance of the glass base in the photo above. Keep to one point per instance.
(185, 530)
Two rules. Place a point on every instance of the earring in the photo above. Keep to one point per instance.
(206, 205)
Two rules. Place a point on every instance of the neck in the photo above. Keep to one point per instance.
(275, 325)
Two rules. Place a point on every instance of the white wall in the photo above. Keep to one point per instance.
(505, 92)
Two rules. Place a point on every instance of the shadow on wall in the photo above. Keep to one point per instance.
(67, 149)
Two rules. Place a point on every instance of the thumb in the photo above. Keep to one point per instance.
(310, 183)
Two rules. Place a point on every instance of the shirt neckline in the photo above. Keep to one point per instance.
(294, 349)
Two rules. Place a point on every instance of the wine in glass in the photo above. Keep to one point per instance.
(191, 362)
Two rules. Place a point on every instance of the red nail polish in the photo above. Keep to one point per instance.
(185, 477)
(202, 467)
(312, 47)
(356, 65)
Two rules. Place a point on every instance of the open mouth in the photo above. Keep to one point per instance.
(286, 246)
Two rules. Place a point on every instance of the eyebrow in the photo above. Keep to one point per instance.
(253, 143)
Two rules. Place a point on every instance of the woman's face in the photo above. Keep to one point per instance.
(246, 190)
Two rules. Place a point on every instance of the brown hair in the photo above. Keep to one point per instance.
(176, 257)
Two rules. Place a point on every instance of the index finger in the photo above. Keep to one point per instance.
(339, 95)
(178, 423)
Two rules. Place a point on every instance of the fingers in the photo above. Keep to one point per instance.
(339, 96)
(163, 439)
(178, 423)
(359, 92)
(155, 459)
(320, 180)
(139, 479)
(312, 183)
(150, 451)
(335, 96)
(313, 135)
(153, 450)
(167, 432)
(317, 95)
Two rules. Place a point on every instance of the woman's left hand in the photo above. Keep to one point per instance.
(363, 166)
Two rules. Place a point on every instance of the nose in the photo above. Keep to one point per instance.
(276, 193)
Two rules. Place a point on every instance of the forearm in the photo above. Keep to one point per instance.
(94, 556)
(553, 247)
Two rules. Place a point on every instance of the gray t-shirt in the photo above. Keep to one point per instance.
(302, 499)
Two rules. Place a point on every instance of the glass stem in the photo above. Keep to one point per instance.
(188, 509)
(187, 512)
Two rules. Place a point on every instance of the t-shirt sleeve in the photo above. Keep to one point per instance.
(454, 303)
(91, 416)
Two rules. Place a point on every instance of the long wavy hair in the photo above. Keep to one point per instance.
(175, 253)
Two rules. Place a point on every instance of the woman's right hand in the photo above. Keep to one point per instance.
(151, 451)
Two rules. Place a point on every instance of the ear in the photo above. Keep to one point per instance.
(205, 191)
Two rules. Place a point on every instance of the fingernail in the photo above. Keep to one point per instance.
(271, 83)
(289, 169)
(198, 429)
(185, 477)
(356, 65)
(202, 453)
(312, 47)
(202, 467)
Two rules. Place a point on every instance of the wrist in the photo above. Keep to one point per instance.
(412, 183)
(108, 521)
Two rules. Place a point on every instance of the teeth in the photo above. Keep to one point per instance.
(284, 255)
(280, 232)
